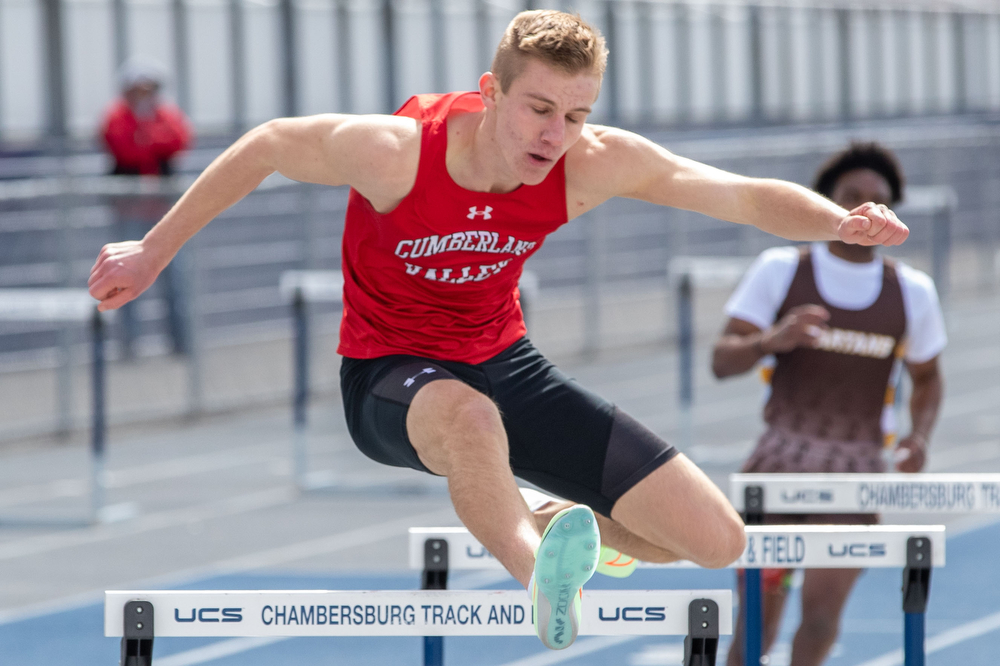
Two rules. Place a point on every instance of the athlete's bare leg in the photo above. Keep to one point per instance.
(824, 593)
(457, 432)
(678, 509)
(773, 607)
(612, 534)
(676, 512)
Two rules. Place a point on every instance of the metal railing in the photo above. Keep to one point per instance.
(236, 63)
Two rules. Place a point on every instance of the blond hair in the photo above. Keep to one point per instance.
(556, 38)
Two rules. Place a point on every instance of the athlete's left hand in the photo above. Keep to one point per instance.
(872, 224)
(911, 454)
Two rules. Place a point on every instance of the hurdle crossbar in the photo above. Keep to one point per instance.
(793, 546)
(400, 612)
(870, 493)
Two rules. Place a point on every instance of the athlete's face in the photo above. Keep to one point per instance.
(540, 117)
(861, 186)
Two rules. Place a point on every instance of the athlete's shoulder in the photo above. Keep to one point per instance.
(913, 275)
(609, 161)
(601, 146)
(774, 266)
(383, 131)
(384, 149)
(916, 283)
(375, 154)
(785, 255)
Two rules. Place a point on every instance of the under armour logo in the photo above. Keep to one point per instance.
(473, 211)
(409, 382)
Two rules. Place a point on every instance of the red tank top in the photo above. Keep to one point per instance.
(437, 276)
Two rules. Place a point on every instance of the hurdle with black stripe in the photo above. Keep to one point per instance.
(138, 617)
(757, 495)
(430, 551)
(791, 546)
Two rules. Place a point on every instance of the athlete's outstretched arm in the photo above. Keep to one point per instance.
(377, 155)
(626, 164)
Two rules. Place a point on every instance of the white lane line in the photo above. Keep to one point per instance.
(666, 653)
(578, 649)
(945, 639)
(322, 546)
(41, 492)
(189, 466)
(721, 453)
(140, 474)
(217, 651)
(261, 559)
(230, 506)
(971, 402)
(965, 454)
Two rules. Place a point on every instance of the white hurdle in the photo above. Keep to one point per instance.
(914, 548)
(267, 613)
(768, 546)
(758, 495)
(437, 550)
(139, 616)
(869, 493)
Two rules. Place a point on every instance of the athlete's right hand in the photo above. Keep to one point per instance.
(122, 272)
(801, 327)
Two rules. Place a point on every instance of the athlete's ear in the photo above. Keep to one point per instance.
(488, 89)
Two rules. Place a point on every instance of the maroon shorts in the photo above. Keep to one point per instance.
(783, 452)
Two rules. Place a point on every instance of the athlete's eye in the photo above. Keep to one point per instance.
(540, 112)
(573, 119)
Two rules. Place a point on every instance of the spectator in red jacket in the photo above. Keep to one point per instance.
(142, 132)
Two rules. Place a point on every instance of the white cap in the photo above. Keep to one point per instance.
(138, 72)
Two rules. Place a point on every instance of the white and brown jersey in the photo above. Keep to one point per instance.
(836, 391)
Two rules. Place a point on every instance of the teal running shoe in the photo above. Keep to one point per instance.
(565, 560)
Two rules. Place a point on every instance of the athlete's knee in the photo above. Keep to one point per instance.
(725, 541)
(451, 414)
(475, 416)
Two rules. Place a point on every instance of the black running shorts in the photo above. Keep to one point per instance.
(562, 438)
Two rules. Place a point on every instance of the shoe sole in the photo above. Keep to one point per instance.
(566, 559)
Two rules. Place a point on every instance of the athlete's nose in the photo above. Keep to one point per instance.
(555, 132)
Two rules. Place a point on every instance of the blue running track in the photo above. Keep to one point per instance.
(963, 624)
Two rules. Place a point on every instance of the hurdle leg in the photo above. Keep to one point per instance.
(137, 638)
(685, 345)
(702, 642)
(916, 588)
(300, 399)
(913, 639)
(98, 426)
(753, 627)
(434, 577)
(752, 601)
